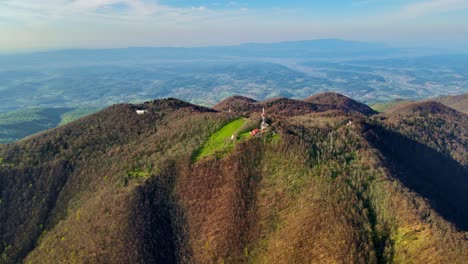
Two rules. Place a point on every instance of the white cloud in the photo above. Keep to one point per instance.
(111, 23)
(65, 9)
(425, 8)
(200, 8)
(137, 7)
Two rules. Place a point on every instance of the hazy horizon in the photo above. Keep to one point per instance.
(86, 24)
(431, 48)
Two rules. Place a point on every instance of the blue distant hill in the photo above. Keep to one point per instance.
(321, 48)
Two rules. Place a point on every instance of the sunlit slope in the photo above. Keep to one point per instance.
(457, 102)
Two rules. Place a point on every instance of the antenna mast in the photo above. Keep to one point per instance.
(264, 124)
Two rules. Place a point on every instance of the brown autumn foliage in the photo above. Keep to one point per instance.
(290, 107)
(117, 187)
(342, 102)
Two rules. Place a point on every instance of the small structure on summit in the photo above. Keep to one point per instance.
(141, 112)
(255, 132)
(263, 126)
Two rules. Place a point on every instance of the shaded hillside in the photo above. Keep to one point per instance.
(341, 102)
(457, 102)
(436, 177)
(321, 186)
(433, 124)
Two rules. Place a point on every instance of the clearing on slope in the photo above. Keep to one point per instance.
(220, 142)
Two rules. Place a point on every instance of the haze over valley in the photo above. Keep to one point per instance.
(97, 78)
(44, 89)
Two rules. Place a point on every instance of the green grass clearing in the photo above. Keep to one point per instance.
(220, 142)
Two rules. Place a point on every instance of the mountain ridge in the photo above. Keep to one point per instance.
(318, 103)
(457, 102)
(312, 44)
(121, 187)
(425, 107)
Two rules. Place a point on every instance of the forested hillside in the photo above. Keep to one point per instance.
(329, 181)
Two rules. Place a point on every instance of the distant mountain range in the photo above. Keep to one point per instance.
(329, 181)
(368, 72)
(322, 48)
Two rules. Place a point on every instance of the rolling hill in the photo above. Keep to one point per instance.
(341, 102)
(290, 107)
(457, 102)
(433, 124)
(325, 183)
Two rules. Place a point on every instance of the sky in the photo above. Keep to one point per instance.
(59, 24)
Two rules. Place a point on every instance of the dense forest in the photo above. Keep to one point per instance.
(329, 181)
